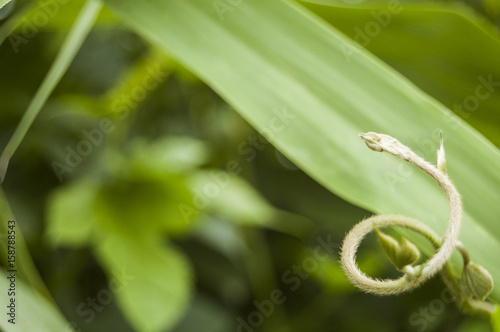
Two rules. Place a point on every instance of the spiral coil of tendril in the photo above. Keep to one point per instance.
(414, 276)
(475, 284)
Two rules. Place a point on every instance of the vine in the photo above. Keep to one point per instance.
(475, 282)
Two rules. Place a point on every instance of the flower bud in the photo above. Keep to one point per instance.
(400, 255)
(476, 281)
(441, 159)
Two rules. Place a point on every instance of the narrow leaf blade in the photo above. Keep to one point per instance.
(310, 90)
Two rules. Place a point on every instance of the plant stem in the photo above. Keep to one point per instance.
(445, 247)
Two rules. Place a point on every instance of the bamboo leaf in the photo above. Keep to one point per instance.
(3, 3)
(33, 312)
(425, 42)
(70, 47)
(309, 90)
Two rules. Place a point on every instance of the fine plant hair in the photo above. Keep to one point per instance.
(469, 296)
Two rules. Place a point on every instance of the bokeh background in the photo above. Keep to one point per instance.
(135, 162)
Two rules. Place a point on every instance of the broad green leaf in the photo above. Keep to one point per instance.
(143, 204)
(310, 91)
(426, 44)
(12, 22)
(230, 197)
(33, 312)
(146, 187)
(180, 154)
(4, 2)
(153, 280)
(70, 47)
(71, 218)
(142, 196)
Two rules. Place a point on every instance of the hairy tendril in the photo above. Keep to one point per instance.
(470, 298)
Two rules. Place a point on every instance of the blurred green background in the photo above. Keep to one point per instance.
(134, 163)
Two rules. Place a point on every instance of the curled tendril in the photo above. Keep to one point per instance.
(413, 276)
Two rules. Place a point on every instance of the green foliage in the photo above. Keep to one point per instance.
(319, 124)
(426, 44)
(158, 284)
(158, 202)
(72, 218)
(43, 316)
(123, 215)
(70, 47)
(233, 198)
(122, 218)
(120, 205)
(3, 3)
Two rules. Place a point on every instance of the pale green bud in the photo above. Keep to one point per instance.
(441, 159)
(476, 281)
(401, 255)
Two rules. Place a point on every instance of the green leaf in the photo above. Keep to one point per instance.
(33, 312)
(153, 280)
(56, 15)
(476, 281)
(71, 218)
(230, 197)
(143, 203)
(142, 196)
(400, 255)
(4, 2)
(310, 91)
(14, 21)
(24, 263)
(168, 154)
(70, 47)
(425, 42)
(146, 74)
